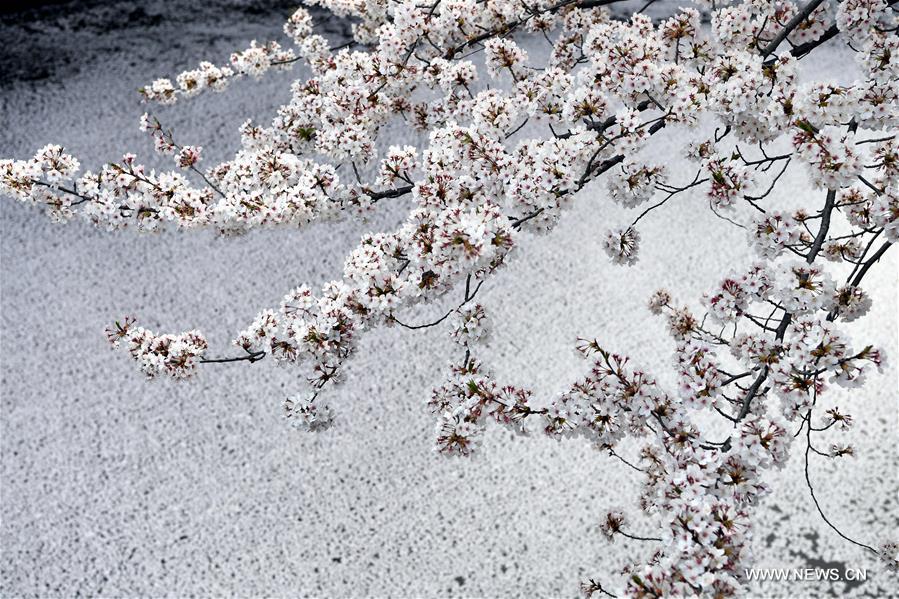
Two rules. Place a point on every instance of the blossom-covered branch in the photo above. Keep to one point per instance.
(511, 144)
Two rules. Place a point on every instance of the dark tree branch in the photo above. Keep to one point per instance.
(251, 357)
(808, 482)
(793, 23)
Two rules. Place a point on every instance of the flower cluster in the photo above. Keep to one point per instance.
(859, 18)
(253, 61)
(833, 162)
(734, 295)
(700, 494)
(467, 401)
(634, 184)
(174, 355)
(308, 414)
(775, 231)
(621, 245)
(470, 325)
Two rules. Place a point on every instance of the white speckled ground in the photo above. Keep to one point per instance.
(112, 486)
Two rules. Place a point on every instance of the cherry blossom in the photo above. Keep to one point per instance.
(512, 142)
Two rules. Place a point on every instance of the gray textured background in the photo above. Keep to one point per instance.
(114, 486)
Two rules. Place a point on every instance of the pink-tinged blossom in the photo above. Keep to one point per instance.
(621, 245)
(188, 156)
(176, 356)
(772, 233)
(308, 413)
(633, 184)
(860, 18)
(803, 287)
(469, 325)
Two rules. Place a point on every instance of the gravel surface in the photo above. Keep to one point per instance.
(114, 486)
